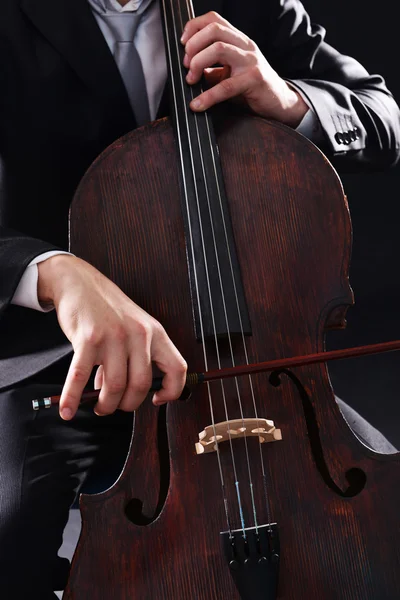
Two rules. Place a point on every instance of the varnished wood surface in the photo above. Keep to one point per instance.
(292, 232)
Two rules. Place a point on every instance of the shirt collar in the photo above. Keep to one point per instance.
(114, 5)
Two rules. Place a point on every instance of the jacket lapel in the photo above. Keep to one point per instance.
(71, 28)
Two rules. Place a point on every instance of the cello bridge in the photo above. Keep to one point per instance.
(213, 435)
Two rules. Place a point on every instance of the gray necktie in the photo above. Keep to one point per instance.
(124, 26)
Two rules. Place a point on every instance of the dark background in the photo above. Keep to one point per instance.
(369, 32)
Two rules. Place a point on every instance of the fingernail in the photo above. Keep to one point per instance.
(183, 38)
(196, 104)
(66, 414)
(189, 76)
(160, 403)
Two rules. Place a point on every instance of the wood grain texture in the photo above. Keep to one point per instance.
(292, 233)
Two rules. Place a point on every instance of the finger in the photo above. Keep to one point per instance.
(171, 362)
(78, 374)
(115, 361)
(219, 52)
(216, 74)
(226, 89)
(198, 23)
(139, 370)
(140, 374)
(98, 380)
(215, 32)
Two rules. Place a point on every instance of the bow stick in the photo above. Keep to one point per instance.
(194, 379)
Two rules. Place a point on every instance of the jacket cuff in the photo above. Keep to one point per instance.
(342, 128)
(26, 294)
(16, 252)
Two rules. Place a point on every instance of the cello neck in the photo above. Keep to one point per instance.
(219, 305)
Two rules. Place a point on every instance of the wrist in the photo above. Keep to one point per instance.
(52, 276)
(294, 107)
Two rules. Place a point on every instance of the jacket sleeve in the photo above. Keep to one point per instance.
(16, 252)
(359, 118)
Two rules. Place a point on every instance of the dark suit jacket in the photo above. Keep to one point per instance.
(62, 101)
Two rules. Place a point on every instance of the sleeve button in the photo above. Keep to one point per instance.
(347, 138)
(339, 138)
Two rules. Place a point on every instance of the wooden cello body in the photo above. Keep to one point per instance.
(160, 532)
(238, 241)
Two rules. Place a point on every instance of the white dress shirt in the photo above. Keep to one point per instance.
(150, 46)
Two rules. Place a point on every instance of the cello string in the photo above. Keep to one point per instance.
(263, 470)
(191, 14)
(178, 47)
(190, 10)
(185, 187)
(225, 313)
(237, 487)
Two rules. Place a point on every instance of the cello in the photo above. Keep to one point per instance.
(253, 488)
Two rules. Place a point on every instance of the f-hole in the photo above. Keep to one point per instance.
(355, 477)
(134, 508)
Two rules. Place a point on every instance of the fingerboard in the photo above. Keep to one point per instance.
(219, 305)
